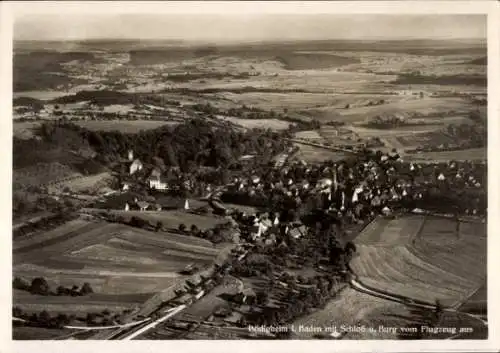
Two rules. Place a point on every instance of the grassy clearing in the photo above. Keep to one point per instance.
(433, 264)
(84, 184)
(126, 126)
(313, 154)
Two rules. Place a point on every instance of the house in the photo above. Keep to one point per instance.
(130, 155)
(386, 211)
(157, 183)
(324, 183)
(127, 206)
(186, 205)
(135, 166)
(125, 186)
(296, 231)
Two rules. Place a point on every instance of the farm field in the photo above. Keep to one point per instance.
(425, 105)
(24, 130)
(124, 265)
(477, 303)
(313, 154)
(321, 81)
(273, 124)
(85, 184)
(298, 101)
(39, 333)
(422, 258)
(309, 135)
(126, 126)
(76, 305)
(474, 154)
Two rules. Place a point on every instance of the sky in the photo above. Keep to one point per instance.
(249, 27)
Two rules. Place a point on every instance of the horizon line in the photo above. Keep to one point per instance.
(246, 40)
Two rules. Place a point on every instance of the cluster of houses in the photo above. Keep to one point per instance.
(376, 182)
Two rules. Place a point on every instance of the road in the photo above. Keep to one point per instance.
(170, 313)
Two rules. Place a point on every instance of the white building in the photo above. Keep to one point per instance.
(157, 183)
(135, 166)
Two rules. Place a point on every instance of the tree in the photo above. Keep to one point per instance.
(182, 227)
(159, 226)
(91, 318)
(74, 291)
(21, 284)
(86, 289)
(62, 320)
(262, 298)
(17, 312)
(61, 290)
(194, 229)
(39, 286)
(44, 318)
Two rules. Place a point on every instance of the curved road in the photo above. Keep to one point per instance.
(355, 284)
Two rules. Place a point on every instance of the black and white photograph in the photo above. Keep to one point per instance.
(249, 176)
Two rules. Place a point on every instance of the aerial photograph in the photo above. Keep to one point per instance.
(249, 176)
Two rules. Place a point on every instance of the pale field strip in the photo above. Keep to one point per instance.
(73, 227)
(97, 272)
(125, 126)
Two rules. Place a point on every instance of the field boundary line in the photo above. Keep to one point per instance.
(416, 235)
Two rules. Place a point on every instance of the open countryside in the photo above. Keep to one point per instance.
(191, 190)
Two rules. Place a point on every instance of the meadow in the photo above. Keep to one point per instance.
(273, 124)
(311, 154)
(125, 126)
